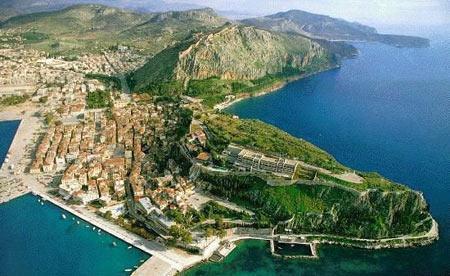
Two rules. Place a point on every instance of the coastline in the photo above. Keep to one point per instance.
(275, 87)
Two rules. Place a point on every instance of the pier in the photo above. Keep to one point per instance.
(166, 261)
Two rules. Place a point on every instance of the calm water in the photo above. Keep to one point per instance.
(35, 240)
(7, 131)
(388, 111)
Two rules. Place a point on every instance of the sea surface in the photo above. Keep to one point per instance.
(8, 130)
(388, 110)
(36, 240)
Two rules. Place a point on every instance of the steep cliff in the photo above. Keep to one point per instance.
(232, 53)
(247, 53)
(320, 208)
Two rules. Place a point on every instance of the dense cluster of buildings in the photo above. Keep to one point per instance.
(248, 160)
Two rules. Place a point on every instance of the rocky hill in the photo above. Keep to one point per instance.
(231, 54)
(325, 27)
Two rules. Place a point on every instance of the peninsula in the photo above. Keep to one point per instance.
(122, 126)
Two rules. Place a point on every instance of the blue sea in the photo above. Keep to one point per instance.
(388, 110)
(8, 130)
(36, 240)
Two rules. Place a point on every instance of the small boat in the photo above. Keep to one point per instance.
(63, 216)
(39, 200)
(292, 245)
(73, 218)
(135, 266)
(93, 228)
(128, 270)
(114, 243)
(99, 230)
(42, 203)
(142, 261)
(87, 226)
(78, 222)
(129, 247)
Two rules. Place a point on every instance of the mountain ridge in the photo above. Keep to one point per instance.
(325, 27)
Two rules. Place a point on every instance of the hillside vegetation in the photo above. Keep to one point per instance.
(321, 209)
(87, 28)
(223, 129)
(230, 60)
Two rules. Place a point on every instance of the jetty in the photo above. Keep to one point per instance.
(166, 261)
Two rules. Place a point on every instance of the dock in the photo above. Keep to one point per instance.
(11, 188)
(155, 266)
(174, 259)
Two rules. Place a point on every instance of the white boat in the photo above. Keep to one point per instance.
(114, 243)
(42, 203)
(63, 216)
(142, 261)
(78, 222)
(129, 247)
(87, 226)
(135, 266)
(93, 228)
(128, 270)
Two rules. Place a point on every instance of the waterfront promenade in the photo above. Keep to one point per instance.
(165, 259)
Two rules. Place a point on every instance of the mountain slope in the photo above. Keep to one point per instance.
(325, 27)
(232, 53)
(11, 8)
(233, 59)
(83, 28)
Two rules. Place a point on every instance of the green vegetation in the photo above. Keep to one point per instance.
(212, 210)
(109, 81)
(214, 90)
(13, 100)
(156, 76)
(179, 233)
(98, 99)
(34, 37)
(49, 118)
(323, 209)
(98, 203)
(94, 28)
(371, 181)
(265, 138)
(246, 61)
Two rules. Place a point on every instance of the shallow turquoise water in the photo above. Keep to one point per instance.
(7, 132)
(36, 240)
(387, 111)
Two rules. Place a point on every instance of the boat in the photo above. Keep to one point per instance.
(114, 243)
(128, 270)
(78, 222)
(129, 247)
(142, 261)
(135, 266)
(63, 216)
(87, 226)
(93, 228)
(42, 203)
